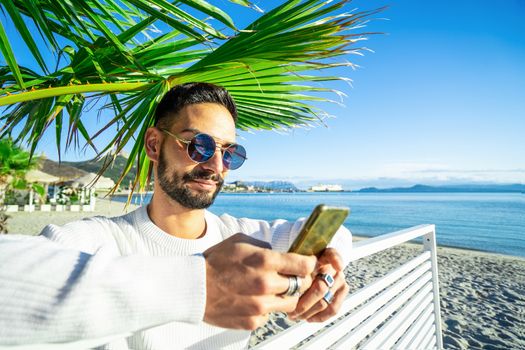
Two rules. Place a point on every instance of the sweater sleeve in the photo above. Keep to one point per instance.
(51, 294)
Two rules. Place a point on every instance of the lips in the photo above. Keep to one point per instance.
(208, 184)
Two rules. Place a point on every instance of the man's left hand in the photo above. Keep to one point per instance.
(312, 306)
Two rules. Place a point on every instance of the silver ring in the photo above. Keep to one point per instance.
(327, 278)
(328, 297)
(294, 285)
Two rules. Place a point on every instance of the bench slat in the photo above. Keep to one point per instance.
(377, 244)
(300, 331)
(394, 328)
(359, 333)
(399, 310)
(417, 341)
(415, 327)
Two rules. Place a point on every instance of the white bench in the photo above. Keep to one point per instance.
(397, 311)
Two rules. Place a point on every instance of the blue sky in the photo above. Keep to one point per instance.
(441, 99)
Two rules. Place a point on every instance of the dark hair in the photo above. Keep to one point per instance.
(191, 93)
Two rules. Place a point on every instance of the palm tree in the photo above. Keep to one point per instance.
(14, 164)
(128, 53)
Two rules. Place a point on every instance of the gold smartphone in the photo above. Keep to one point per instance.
(319, 229)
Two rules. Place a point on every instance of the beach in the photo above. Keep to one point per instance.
(32, 223)
(482, 294)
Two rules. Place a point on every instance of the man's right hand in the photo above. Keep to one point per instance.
(245, 281)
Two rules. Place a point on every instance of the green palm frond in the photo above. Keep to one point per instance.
(14, 161)
(114, 51)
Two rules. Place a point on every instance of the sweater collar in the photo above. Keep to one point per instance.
(189, 246)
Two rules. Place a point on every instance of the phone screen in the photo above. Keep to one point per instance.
(319, 229)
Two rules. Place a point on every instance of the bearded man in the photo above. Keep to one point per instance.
(231, 273)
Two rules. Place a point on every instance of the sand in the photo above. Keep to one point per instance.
(482, 294)
(33, 223)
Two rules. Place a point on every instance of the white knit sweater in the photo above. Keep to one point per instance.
(179, 323)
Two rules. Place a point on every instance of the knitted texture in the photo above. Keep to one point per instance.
(113, 288)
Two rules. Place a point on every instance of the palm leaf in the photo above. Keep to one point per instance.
(114, 52)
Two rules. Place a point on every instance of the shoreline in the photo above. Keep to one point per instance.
(455, 249)
(107, 207)
(482, 293)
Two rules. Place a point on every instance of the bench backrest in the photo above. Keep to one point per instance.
(399, 310)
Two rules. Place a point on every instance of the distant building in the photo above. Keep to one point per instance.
(260, 186)
(326, 188)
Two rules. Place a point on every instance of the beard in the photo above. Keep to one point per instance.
(174, 185)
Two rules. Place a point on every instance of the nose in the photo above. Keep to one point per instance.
(215, 163)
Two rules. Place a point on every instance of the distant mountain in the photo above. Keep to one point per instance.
(113, 172)
(63, 171)
(450, 188)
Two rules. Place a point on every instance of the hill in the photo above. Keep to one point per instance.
(113, 172)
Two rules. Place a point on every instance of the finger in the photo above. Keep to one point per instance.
(248, 323)
(294, 264)
(246, 306)
(263, 305)
(283, 263)
(331, 256)
(241, 237)
(327, 275)
(332, 309)
(304, 285)
(313, 295)
(314, 310)
(269, 283)
(279, 304)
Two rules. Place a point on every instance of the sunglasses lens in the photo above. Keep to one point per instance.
(201, 148)
(233, 157)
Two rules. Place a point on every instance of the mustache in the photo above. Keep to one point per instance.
(204, 175)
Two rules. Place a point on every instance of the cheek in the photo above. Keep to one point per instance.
(176, 159)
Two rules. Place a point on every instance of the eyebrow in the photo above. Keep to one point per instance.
(197, 131)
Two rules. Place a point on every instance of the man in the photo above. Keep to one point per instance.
(229, 279)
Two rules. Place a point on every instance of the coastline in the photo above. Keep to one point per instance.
(482, 293)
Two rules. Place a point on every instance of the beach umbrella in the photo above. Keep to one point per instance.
(93, 180)
(129, 53)
(38, 176)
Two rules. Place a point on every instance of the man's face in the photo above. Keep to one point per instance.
(195, 185)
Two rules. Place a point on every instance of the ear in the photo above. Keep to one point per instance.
(152, 143)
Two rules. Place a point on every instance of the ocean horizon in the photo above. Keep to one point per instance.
(491, 222)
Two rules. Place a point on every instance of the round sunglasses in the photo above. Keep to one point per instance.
(201, 148)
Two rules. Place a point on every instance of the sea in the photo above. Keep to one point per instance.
(491, 222)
